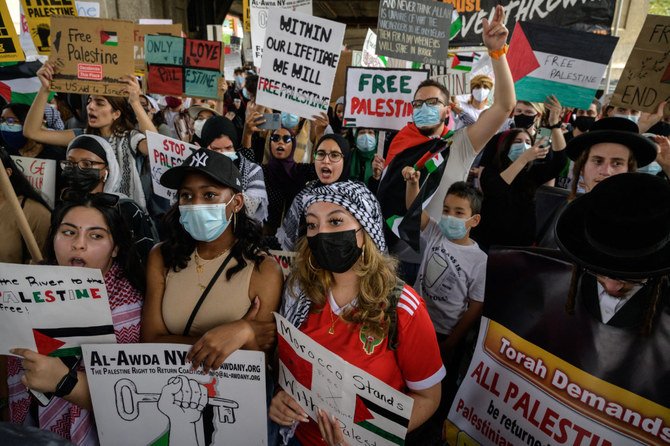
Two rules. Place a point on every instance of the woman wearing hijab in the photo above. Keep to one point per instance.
(366, 165)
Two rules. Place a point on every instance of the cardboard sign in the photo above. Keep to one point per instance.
(184, 67)
(546, 60)
(164, 153)
(416, 30)
(369, 410)
(340, 82)
(285, 260)
(53, 309)
(147, 394)
(41, 174)
(645, 82)
(91, 55)
(301, 56)
(138, 38)
(380, 98)
(260, 17)
(10, 48)
(38, 14)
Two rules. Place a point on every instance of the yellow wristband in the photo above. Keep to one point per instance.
(497, 53)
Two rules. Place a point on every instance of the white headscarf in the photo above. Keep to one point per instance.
(113, 181)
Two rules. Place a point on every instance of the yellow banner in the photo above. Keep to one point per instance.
(246, 16)
(38, 14)
(10, 49)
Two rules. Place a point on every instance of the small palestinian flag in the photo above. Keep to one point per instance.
(19, 82)
(67, 341)
(433, 163)
(380, 420)
(464, 61)
(456, 24)
(109, 38)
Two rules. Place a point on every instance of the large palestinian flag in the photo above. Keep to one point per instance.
(19, 83)
(546, 60)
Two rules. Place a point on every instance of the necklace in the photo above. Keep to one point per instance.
(333, 321)
(200, 264)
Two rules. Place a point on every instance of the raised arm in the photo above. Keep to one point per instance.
(527, 157)
(144, 121)
(411, 178)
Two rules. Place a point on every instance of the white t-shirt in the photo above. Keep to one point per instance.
(449, 275)
(610, 305)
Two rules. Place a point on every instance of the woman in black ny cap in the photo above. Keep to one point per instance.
(211, 283)
(344, 294)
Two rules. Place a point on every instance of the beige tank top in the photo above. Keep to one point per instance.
(227, 301)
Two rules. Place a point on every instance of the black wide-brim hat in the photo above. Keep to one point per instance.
(621, 229)
(207, 162)
(615, 130)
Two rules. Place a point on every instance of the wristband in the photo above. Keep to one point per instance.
(555, 126)
(67, 383)
(497, 53)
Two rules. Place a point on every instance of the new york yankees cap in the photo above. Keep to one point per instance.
(215, 165)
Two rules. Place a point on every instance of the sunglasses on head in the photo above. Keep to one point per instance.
(277, 138)
(100, 199)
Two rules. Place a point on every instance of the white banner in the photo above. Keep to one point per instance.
(42, 175)
(164, 153)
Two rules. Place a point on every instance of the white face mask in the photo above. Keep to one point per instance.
(197, 127)
(480, 94)
(634, 118)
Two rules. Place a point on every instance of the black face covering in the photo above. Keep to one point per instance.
(584, 123)
(81, 180)
(523, 121)
(335, 251)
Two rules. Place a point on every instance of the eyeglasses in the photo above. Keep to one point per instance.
(81, 164)
(417, 103)
(10, 121)
(70, 195)
(321, 155)
(285, 138)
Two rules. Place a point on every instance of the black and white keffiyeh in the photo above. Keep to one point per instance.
(356, 198)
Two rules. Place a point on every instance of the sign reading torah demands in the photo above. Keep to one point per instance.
(91, 55)
(415, 30)
(10, 48)
(380, 98)
(369, 411)
(147, 394)
(41, 173)
(260, 16)
(301, 56)
(53, 309)
(184, 67)
(164, 153)
(38, 13)
(645, 82)
(546, 60)
(140, 31)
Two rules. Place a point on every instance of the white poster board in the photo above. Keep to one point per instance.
(145, 394)
(259, 21)
(164, 153)
(380, 98)
(41, 174)
(53, 309)
(285, 260)
(301, 56)
(369, 56)
(369, 411)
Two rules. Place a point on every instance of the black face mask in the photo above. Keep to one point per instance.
(335, 251)
(584, 123)
(81, 180)
(523, 121)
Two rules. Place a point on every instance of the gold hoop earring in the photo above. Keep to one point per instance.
(309, 263)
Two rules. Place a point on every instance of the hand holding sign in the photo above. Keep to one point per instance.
(46, 74)
(330, 429)
(495, 33)
(285, 410)
(42, 373)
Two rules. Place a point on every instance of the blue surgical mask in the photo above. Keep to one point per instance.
(245, 93)
(652, 168)
(289, 120)
(231, 155)
(453, 228)
(366, 142)
(204, 222)
(634, 118)
(12, 134)
(516, 149)
(426, 115)
(239, 80)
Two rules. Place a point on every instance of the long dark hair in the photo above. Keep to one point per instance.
(126, 257)
(179, 245)
(124, 123)
(20, 183)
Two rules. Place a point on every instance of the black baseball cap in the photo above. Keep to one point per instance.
(215, 165)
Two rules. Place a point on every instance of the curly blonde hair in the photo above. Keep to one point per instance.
(377, 273)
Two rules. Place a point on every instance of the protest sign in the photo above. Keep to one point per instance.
(41, 173)
(301, 56)
(10, 48)
(138, 38)
(91, 55)
(259, 17)
(645, 82)
(416, 30)
(88, 9)
(38, 14)
(369, 56)
(233, 56)
(164, 153)
(184, 67)
(285, 260)
(585, 15)
(141, 395)
(246, 16)
(340, 82)
(542, 376)
(380, 98)
(368, 410)
(53, 309)
(546, 60)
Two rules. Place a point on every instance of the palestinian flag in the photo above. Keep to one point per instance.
(19, 82)
(464, 61)
(456, 24)
(547, 60)
(67, 341)
(380, 420)
(109, 38)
